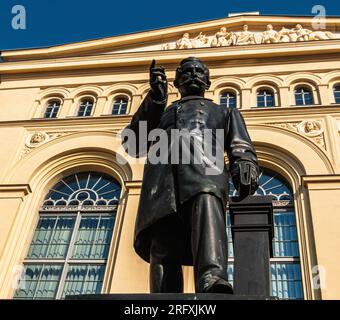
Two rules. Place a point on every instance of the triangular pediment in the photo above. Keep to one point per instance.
(195, 36)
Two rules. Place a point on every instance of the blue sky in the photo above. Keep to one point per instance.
(51, 22)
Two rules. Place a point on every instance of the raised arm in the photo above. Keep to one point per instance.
(148, 114)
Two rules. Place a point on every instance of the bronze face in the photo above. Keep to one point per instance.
(192, 77)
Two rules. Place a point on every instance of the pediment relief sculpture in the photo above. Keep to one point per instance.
(225, 38)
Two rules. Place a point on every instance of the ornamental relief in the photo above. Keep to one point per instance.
(311, 129)
(37, 139)
(225, 38)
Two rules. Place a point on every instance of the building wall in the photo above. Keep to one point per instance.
(311, 164)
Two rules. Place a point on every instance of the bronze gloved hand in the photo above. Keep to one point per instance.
(158, 83)
(245, 176)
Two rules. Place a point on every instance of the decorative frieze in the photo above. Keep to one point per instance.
(312, 129)
(225, 38)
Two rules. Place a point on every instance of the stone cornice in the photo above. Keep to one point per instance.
(14, 190)
(110, 121)
(277, 113)
(321, 182)
(173, 56)
(133, 187)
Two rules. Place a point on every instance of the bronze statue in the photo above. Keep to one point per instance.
(181, 218)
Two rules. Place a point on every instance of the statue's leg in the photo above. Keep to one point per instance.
(209, 244)
(165, 262)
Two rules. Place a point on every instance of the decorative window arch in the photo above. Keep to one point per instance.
(286, 279)
(228, 98)
(305, 94)
(336, 93)
(86, 106)
(71, 243)
(265, 97)
(52, 108)
(120, 105)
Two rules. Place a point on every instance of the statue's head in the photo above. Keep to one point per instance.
(192, 77)
(269, 27)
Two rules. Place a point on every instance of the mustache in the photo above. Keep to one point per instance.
(194, 80)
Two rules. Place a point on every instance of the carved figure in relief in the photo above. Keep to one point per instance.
(223, 38)
(184, 42)
(245, 37)
(200, 41)
(270, 35)
(37, 138)
(310, 128)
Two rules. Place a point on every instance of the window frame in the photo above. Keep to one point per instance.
(309, 88)
(227, 92)
(335, 89)
(265, 90)
(79, 104)
(78, 212)
(47, 105)
(120, 97)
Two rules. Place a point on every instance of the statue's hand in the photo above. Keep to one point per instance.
(158, 82)
(245, 178)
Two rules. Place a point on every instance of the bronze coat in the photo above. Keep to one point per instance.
(166, 186)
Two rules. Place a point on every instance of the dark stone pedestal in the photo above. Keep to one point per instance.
(252, 231)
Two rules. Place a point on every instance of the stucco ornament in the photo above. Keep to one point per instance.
(36, 139)
(310, 128)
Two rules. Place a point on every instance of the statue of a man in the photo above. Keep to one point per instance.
(181, 218)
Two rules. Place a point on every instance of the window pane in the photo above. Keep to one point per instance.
(93, 238)
(286, 280)
(40, 282)
(85, 108)
(52, 109)
(309, 98)
(119, 106)
(51, 238)
(265, 99)
(84, 279)
(337, 94)
(303, 96)
(229, 237)
(285, 242)
(228, 100)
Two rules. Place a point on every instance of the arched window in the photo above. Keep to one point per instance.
(119, 106)
(52, 109)
(285, 265)
(303, 96)
(71, 242)
(85, 107)
(265, 98)
(336, 91)
(228, 99)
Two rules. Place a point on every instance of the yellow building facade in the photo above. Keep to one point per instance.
(62, 109)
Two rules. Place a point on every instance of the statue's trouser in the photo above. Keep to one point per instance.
(205, 217)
